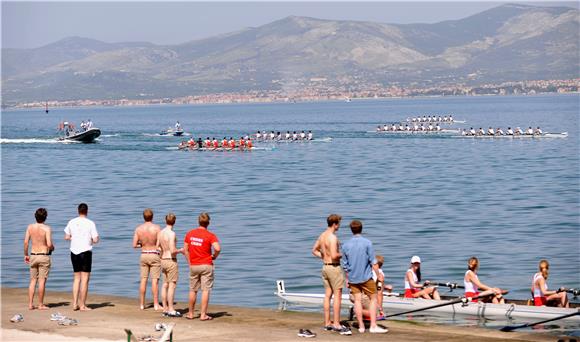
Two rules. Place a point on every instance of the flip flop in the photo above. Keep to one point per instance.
(187, 317)
(209, 318)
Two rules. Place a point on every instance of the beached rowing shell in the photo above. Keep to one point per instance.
(522, 136)
(514, 308)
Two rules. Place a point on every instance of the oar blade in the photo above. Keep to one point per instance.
(509, 328)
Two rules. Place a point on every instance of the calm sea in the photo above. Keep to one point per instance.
(508, 202)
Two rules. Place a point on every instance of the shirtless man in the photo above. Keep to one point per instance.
(39, 259)
(166, 241)
(327, 249)
(146, 238)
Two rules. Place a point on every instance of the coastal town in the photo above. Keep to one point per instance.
(322, 89)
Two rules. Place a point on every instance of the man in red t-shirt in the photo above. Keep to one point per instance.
(198, 245)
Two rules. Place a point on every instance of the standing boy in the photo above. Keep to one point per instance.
(145, 237)
(82, 234)
(166, 241)
(327, 249)
(39, 259)
(359, 261)
(198, 246)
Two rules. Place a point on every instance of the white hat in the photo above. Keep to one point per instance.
(415, 259)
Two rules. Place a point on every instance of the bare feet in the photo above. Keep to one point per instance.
(75, 308)
(188, 316)
(156, 307)
(205, 318)
(142, 307)
(42, 307)
(31, 307)
(85, 308)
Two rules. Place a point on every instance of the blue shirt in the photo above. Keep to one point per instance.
(358, 258)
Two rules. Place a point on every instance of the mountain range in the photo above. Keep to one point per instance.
(508, 42)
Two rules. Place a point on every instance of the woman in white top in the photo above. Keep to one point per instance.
(413, 286)
(543, 296)
(472, 284)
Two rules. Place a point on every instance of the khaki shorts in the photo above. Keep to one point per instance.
(369, 287)
(332, 277)
(201, 276)
(150, 263)
(39, 266)
(170, 270)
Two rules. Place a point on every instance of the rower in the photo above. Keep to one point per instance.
(509, 131)
(191, 142)
(471, 131)
(287, 137)
(538, 131)
(309, 136)
(183, 144)
(450, 118)
(413, 287)
(430, 127)
(225, 142)
(272, 135)
(215, 143)
(438, 127)
(279, 136)
(445, 118)
(480, 131)
(249, 144)
(232, 143)
(207, 142)
(242, 143)
(407, 128)
(499, 131)
(302, 135)
(258, 136)
(518, 131)
(415, 127)
(385, 127)
(463, 132)
(294, 136)
(529, 131)
(490, 131)
(472, 284)
(199, 143)
(393, 127)
(379, 128)
(424, 119)
(543, 296)
(439, 119)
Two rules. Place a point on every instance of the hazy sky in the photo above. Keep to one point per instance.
(33, 24)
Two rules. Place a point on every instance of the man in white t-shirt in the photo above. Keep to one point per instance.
(82, 234)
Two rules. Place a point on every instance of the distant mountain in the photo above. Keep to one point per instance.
(509, 42)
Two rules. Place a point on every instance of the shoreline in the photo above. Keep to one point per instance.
(112, 314)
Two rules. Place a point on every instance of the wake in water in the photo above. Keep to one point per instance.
(34, 141)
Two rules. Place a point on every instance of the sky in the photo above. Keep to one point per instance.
(28, 24)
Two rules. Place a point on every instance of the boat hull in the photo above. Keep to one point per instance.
(518, 309)
(86, 137)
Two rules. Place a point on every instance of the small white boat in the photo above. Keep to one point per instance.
(395, 302)
(173, 132)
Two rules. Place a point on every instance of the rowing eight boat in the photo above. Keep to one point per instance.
(522, 136)
(395, 302)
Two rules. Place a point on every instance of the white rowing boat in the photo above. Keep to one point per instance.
(395, 302)
(289, 141)
(443, 131)
(521, 136)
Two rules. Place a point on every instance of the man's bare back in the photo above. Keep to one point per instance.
(167, 242)
(40, 236)
(146, 235)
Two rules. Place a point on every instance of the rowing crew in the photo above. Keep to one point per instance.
(287, 136)
(434, 118)
(413, 128)
(498, 131)
(213, 143)
(540, 293)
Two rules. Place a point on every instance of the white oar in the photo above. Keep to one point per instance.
(514, 327)
(464, 300)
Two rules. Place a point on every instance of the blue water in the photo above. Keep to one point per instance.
(508, 202)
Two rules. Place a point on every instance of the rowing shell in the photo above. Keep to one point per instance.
(443, 131)
(320, 140)
(221, 149)
(397, 303)
(522, 136)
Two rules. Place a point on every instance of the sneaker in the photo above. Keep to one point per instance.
(306, 333)
(378, 330)
(17, 318)
(57, 316)
(343, 330)
(173, 314)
